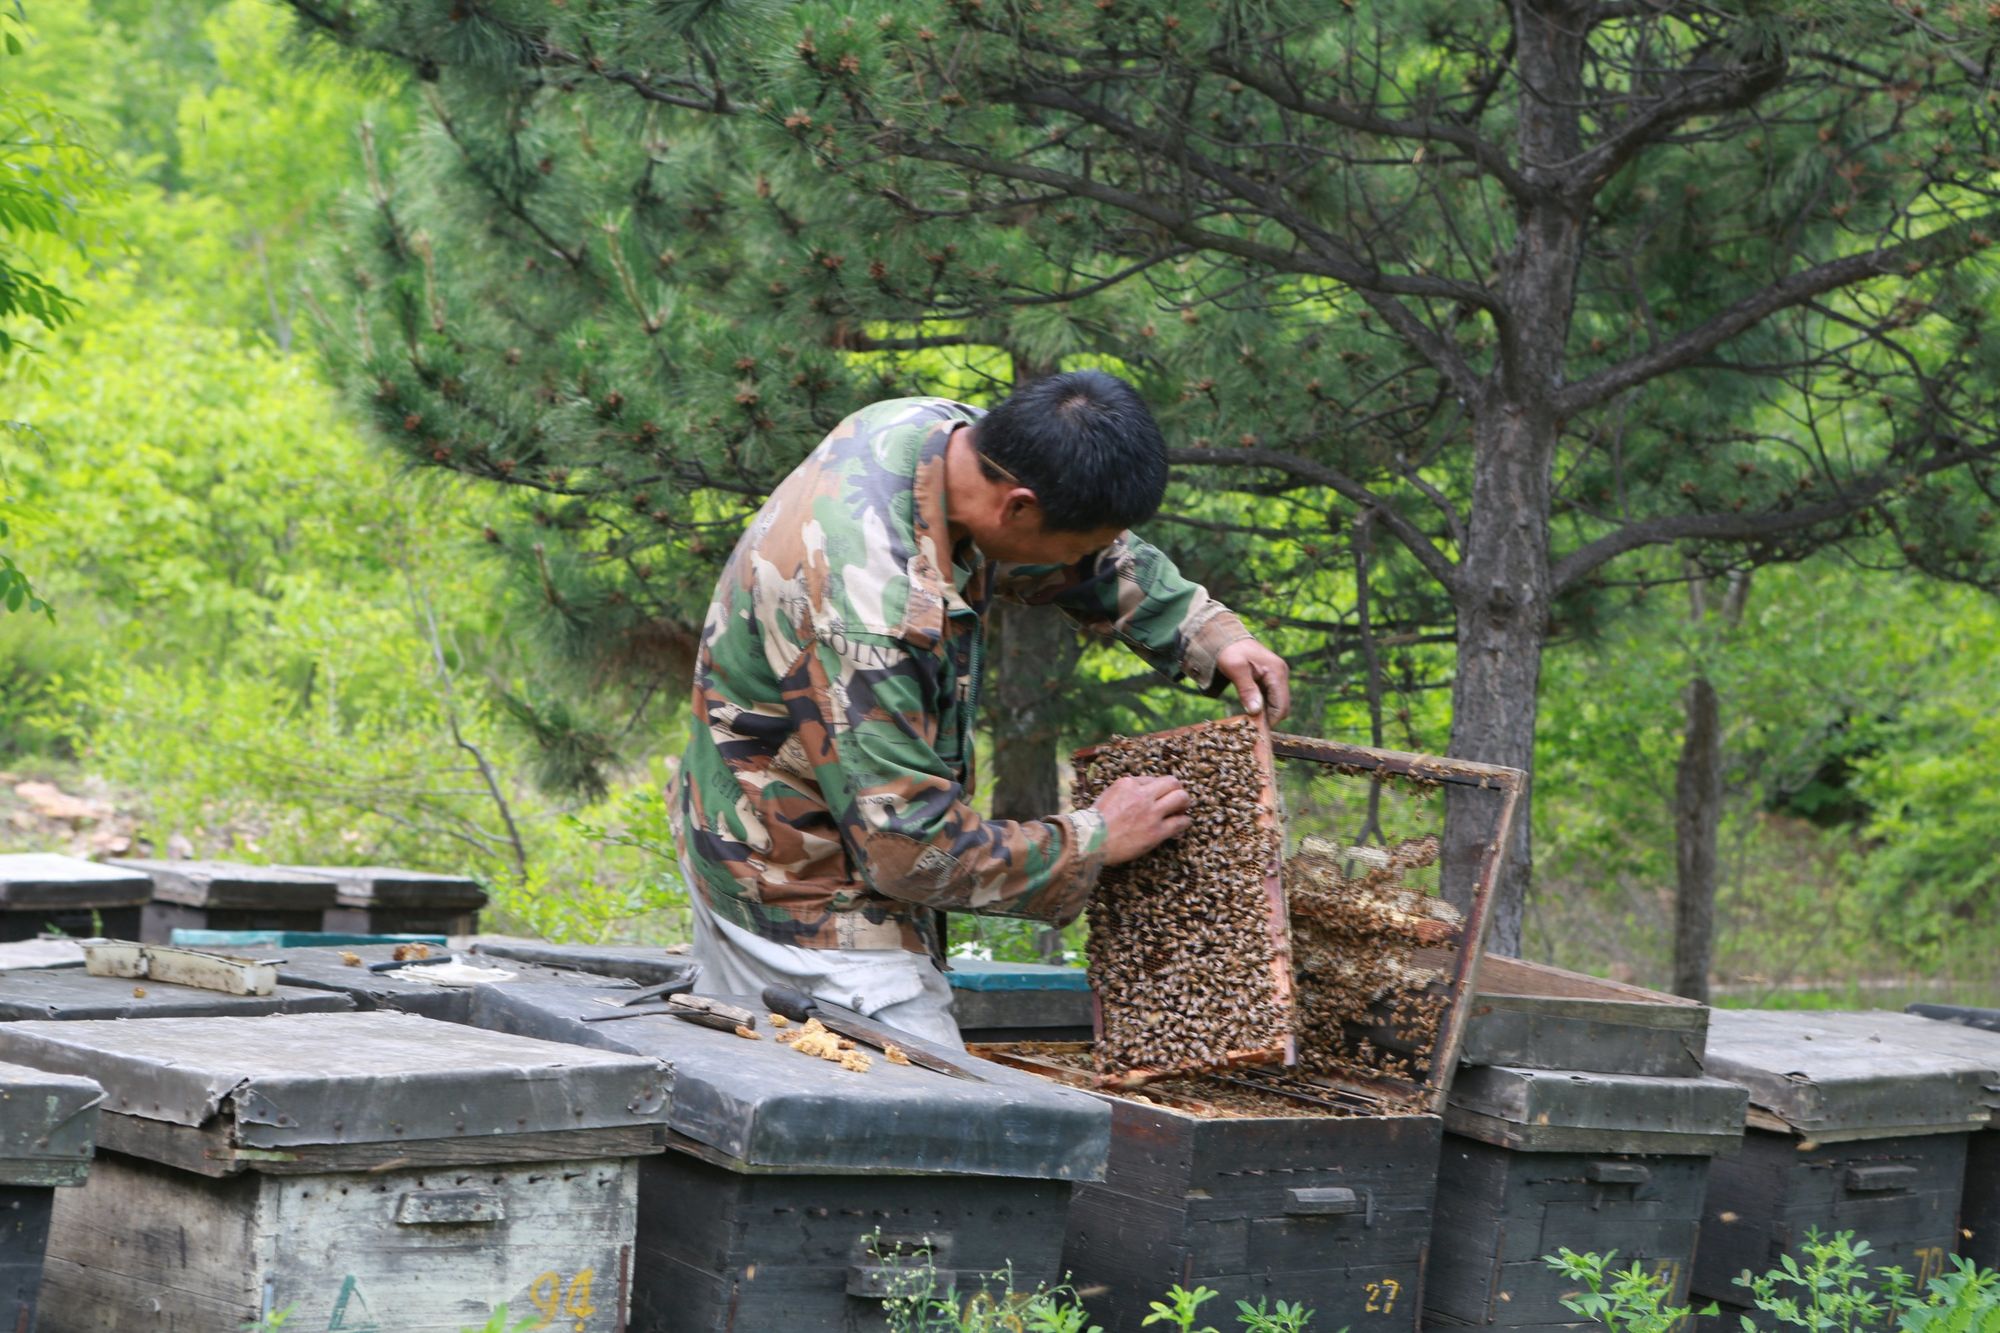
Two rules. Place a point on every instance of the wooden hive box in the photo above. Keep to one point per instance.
(1533, 1016)
(1535, 1160)
(1019, 1001)
(1976, 1033)
(1856, 1124)
(70, 994)
(633, 962)
(383, 900)
(48, 1126)
(355, 1171)
(222, 895)
(795, 1193)
(1256, 1185)
(40, 892)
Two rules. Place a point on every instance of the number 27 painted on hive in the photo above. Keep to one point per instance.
(1382, 1296)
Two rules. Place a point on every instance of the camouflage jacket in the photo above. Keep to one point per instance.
(823, 796)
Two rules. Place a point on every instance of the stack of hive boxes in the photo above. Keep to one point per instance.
(1580, 1117)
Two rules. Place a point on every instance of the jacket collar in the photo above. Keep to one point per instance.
(934, 593)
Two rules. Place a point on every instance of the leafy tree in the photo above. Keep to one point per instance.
(1532, 288)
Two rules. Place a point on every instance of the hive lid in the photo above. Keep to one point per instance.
(70, 994)
(403, 989)
(760, 1106)
(37, 879)
(634, 962)
(1533, 1016)
(296, 1080)
(48, 1126)
(1837, 1076)
(387, 886)
(228, 884)
(1580, 1111)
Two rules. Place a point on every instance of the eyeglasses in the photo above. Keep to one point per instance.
(989, 460)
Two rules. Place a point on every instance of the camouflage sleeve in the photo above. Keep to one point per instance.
(1133, 591)
(902, 813)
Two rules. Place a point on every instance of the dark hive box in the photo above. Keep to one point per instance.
(39, 892)
(1535, 1160)
(222, 895)
(1975, 1033)
(383, 900)
(48, 1124)
(1019, 1001)
(1856, 1125)
(792, 1188)
(357, 1170)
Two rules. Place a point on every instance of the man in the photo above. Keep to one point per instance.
(823, 798)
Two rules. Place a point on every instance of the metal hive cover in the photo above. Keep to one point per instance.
(228, 884)
(634, 962)
(72, 994)
(46, 1120)
(769, 1107)
(298, 1079)
(38, 879)
(328, 970)
(1834, 1076)
(387, 886)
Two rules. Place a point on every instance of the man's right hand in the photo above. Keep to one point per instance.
(1139, 814)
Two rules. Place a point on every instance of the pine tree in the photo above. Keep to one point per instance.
(1455, 307)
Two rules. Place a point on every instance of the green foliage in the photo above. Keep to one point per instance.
(270, 1322)
(1287, 1317)
(1630, 1300)
(1827, 1287)
(1181, 1308)
(500, 1322)
(921, 1301)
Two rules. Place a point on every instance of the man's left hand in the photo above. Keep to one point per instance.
(1258, 674)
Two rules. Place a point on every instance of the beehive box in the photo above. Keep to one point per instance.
(1854, 1126)
(1535, 1160)
(1533, 1016)
(795, 1193)
(406, 990)
(48, 1125)
(633, 962)
(1257, 1186)
(352, 1170)
(222, 895)
(1976, 1033)
(1019, 1001)
(383, 900)
(73, 995)
(41, 892)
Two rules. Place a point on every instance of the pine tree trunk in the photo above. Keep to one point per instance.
(1697, 825)
(1502, 614)
(1036, 650)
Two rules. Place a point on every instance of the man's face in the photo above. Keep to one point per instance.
(1020, 538)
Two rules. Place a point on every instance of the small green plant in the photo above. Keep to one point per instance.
(927, 1301)
(1181, 1309)
(1289, 1317)
(1965, 1300)
(1828, 1293)
(497, 1322)
(1629, 1300)
(269, 1322)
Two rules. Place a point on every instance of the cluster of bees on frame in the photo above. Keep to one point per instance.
(1182, 958)
(1368, 1007)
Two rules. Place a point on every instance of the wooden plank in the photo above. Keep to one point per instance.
(225, 974)
(1519, 977)
(1580, 1138)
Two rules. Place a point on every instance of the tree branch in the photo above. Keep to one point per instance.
(1436, 562)
(1955, 241)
